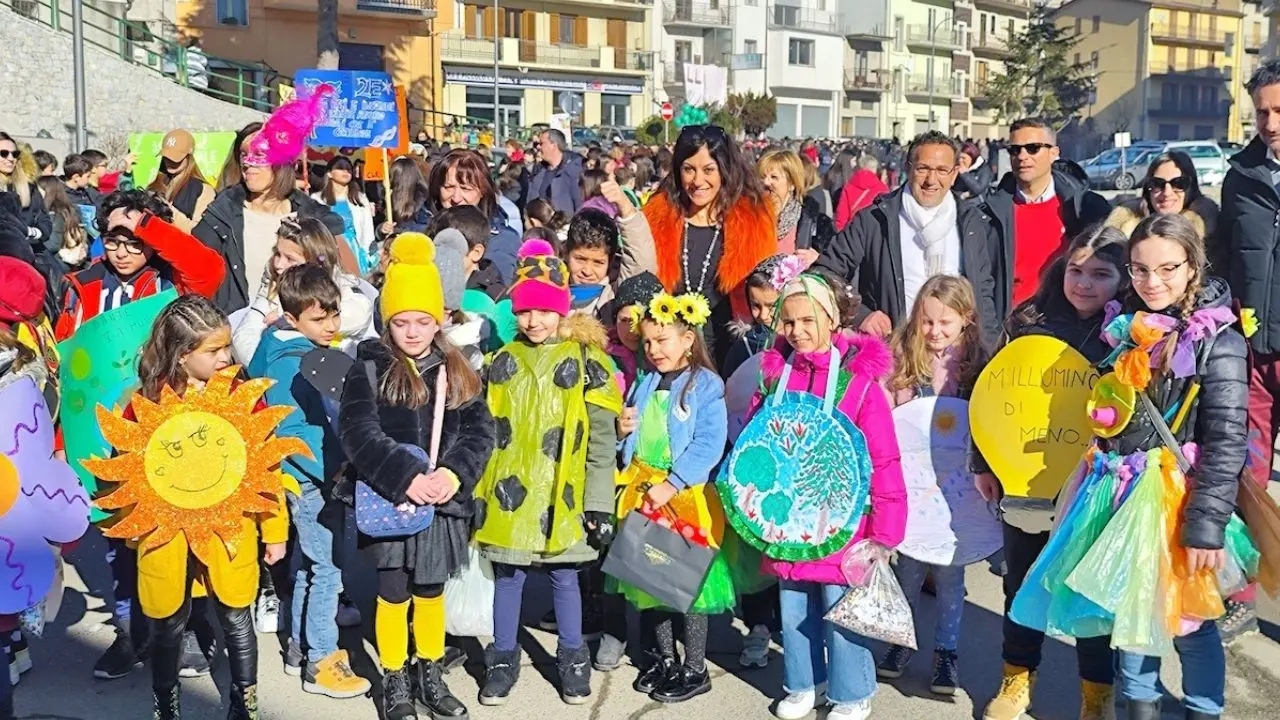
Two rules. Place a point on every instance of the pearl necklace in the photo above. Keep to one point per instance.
(706, 262)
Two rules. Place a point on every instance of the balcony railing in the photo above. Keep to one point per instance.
(988, 43)
(744, 61)
(867, 81)
(1021, 8)
(1162, 67)
(943, 38)
(1186, 111)
(687, 12)
(1162, 32)
(791, 17)
(944, 86)
(399, 7)
(513, 51)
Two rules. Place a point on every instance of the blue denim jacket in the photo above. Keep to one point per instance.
(698, 428)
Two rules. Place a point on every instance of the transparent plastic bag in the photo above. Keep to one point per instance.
(468, 598)
(875, 606)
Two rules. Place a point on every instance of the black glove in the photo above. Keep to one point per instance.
(600, 527)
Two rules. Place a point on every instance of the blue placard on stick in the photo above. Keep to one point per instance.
(361, 112)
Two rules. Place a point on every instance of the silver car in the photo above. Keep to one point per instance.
(1107, 171)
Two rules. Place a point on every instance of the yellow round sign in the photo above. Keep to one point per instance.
(195, 460)
(1027, 414)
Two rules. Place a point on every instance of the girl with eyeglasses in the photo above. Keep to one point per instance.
(1171, 186)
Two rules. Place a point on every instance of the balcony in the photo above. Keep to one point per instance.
(397, 10)
(944, 88)
(1186, 35)
(744, 61)
(989, 45)
(790, 17)
(867, 81)
(513, 52)
(1189, 111)
(861, 35)
(687, 13)
(1019, 8)
(1162, 68)
(415, 8)
(924, 37)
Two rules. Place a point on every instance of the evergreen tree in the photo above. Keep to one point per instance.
(1040, 79)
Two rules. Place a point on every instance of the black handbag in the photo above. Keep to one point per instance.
(659, 561)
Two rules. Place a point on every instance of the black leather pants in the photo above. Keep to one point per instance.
(237, 630)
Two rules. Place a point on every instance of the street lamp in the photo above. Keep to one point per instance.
(933, 59)
(497, 81)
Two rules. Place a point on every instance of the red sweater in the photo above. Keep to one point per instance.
(1038, 238)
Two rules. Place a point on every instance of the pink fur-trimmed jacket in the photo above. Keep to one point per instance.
(869, 361)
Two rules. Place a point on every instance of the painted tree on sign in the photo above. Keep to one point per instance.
(1040, 78)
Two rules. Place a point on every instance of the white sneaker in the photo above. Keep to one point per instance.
(266, 616)
(755, 648)
(798, 705)
(860, 710)
(348, 614)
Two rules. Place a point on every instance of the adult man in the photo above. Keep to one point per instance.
(891, 248)
(556, 178)
(1037, 210)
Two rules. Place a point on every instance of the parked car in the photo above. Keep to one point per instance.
(1210, 159)
(1107, 171)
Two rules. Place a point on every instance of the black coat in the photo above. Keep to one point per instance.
(1245, 248)
(1217, 424)
(976, 182)
(868, 255)
(1081, 208)
(222, 228)
(814, 229)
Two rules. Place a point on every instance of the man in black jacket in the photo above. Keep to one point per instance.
(904, 237)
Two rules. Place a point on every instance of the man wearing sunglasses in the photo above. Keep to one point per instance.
(1037, 210)
(555, 179)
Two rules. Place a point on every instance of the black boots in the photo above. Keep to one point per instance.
(653, 677)
(397, 696)
(165, 704)
(574, 665)
(434, 694)
(501, 671)
(244, 702)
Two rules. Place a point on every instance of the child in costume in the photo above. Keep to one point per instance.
(762, 298)
(387, 403)
(822, 659)
(302, 241)
(188, 351)
(311, 302)
(938, 352)
(548, 492)
(1147, 562)
(674, 432)
(1068, 306)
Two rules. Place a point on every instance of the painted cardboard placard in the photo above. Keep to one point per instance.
(362, 112)
(211, 153)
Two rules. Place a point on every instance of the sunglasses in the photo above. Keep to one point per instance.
(1179, 183)
(1031, 148)
(6, 154)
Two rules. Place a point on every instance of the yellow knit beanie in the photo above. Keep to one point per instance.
(412, 281)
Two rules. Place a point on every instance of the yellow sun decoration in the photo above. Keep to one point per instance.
(196, 464)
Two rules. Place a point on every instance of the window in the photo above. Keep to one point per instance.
(615, 110)
(750, 47)
(1189, 96)
(1097, 23)
(1079, 26)
(898, 34)
(361, 56)
(822, 5)
(861, 61)
(1209, 96)
(565, 31)
(786, 15)
(233, 12)
(1168, 96)
(800, 52)
(752, 3)
(1168, 132)
(511, 23)
(1077, 60)
(1228, 43)
(566, 94)
(480, 105)
(1093, 59)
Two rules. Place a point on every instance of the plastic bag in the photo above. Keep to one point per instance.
(875, 606)
(1263, 518)
(468, 598)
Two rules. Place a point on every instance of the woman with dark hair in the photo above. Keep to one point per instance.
(838, 175)
(408, 204)
(1171, 186)
(69, 239)
(231, 174)
(976, 175)
(711, 226)
(462, 177)
(242, 221)
(342, 193)
(179, 180)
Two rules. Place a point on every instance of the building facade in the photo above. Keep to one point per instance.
(1167, 69)
(993, 26)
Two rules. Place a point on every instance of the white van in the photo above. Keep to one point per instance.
(1209, 159)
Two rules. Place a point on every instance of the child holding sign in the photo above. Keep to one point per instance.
(1070, 307)
(937, 353)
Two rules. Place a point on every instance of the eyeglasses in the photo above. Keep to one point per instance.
(6, 154)
(115, 242)
(1179, 183)
(1031, 148)
(1164, 272)
(923, 171)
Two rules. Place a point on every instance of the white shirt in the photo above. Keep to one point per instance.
(914, 273)
(1049, 192)
(259, 245)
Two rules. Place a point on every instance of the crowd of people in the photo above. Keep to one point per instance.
(640, 281)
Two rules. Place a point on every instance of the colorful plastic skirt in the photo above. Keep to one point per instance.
(1114, 564)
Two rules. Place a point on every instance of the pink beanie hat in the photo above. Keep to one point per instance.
(542, 280)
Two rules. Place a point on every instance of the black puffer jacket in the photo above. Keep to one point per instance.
(814, 229)
(1217, 423)
(1245, 248)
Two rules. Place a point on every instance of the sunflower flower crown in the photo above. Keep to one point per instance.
(692, 309)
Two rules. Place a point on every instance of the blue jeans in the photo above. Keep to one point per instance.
(318, 581)
(948, 580)
(1204, 672)
(811, 643)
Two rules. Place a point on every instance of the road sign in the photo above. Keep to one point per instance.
(1123, 139)
(668, 112)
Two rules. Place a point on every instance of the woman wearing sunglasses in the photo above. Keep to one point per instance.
(14, 179)
(1171, 187)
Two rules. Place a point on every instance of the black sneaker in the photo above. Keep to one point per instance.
(1241, 619)
(397, 696)
(574, 666)
(548, 622)
(685, 683)
(195, 663)
(654, 676)
(434, 694)
(454, 658)
(501, 671)
(895, 662)
(946, 673)
(592, 623)
(119, 660)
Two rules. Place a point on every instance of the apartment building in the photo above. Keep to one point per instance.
(993, 25)
(1167, 69)
(786, 48)
(1259, 44)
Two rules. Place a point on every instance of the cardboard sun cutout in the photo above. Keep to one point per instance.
(196, 464)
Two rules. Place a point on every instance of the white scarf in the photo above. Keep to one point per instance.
(932, 226)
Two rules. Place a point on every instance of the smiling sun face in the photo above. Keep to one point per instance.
(197, 464)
